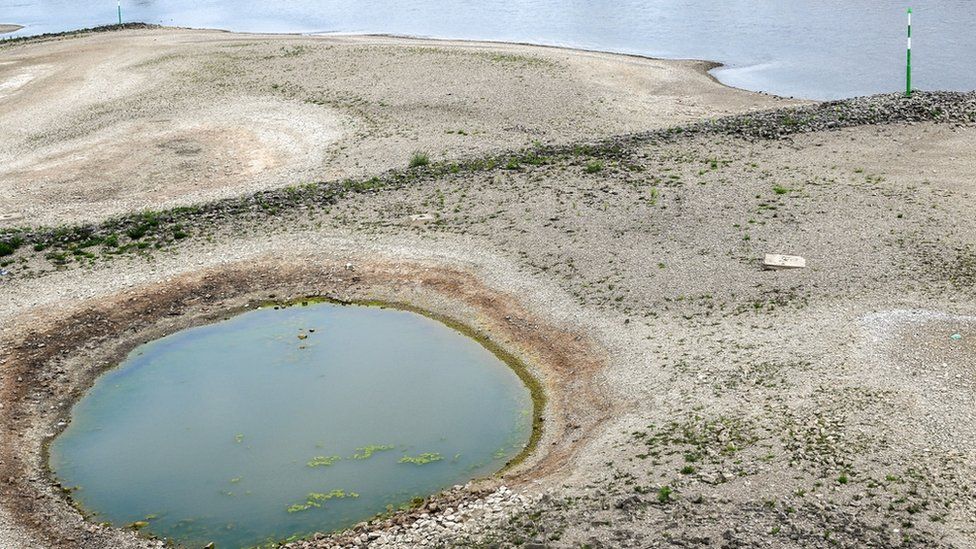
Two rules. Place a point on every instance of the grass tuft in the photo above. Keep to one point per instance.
(419, 159)
(594, 166)
(10, 246)
(664, 494)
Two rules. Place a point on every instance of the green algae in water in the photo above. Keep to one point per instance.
(426, 457)
(315, 499)
(163, 435)
(367, 452)
(322, 461)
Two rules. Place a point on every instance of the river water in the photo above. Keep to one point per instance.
(814, 49)
(284, 422)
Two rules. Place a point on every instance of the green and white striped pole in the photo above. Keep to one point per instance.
(908, 67)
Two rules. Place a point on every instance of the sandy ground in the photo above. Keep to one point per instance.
(824, 407)
(101, 124)
(4, 29)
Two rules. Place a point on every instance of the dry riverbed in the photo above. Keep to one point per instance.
(694, 399)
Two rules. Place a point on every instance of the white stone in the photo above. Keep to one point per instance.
(780, 261)
(420, 219)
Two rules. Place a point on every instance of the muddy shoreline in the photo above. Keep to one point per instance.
(63, 363)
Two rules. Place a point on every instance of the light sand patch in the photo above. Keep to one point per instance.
(13, 80)
(139, 164)
(5, 29)
(14, 83)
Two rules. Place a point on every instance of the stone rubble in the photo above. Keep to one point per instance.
(461, 513)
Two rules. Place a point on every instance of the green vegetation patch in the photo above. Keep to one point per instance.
(315, 500)
(419, 159)
(664, 494)
(367, 452)
(426, 457)
(700, 440)
(523, 60)
(322, 461)
(10, 246)
(594, 166)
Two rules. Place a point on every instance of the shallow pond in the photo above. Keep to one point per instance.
(278, 423)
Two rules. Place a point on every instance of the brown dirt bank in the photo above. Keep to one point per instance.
(98, 124)
(49, 361)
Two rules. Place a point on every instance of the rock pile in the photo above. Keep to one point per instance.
(460, 515)
(947, 107)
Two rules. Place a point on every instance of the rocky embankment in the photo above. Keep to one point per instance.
(78, 32)
(893, 108)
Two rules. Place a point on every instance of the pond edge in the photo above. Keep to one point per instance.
(94, 335)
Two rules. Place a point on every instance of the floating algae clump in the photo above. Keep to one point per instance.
(426, 457)
(315, 499)
(367, 451)
(322, 461)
